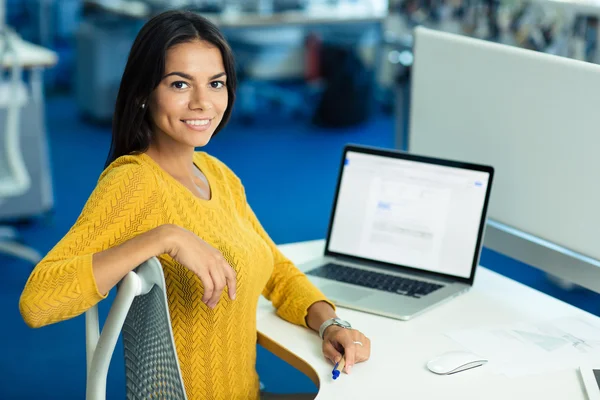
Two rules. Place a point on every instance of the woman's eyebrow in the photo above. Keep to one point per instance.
(189, 77)
(217, 76)
(181, 74)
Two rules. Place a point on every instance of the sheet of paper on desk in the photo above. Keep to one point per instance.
(532, 348)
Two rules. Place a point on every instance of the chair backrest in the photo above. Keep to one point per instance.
(141, 311)
(14, 178)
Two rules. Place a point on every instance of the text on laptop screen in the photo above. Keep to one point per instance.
(409, 213)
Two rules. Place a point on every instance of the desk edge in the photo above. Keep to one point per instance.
(289, 357)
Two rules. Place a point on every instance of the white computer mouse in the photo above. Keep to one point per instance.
(455, 361)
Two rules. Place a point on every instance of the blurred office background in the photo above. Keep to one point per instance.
(314, 75)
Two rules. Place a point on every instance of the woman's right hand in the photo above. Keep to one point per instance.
(202, 259)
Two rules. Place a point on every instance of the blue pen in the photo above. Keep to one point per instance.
(338, 368)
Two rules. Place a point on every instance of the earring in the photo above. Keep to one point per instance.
(143, 105)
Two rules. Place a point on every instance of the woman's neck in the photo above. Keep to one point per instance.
(177, 161)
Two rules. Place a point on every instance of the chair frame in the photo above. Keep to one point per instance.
(100, 346)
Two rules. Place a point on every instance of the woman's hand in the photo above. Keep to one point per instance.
(355, 346)
(205, 261)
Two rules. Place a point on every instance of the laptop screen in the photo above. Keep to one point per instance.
(410, 213)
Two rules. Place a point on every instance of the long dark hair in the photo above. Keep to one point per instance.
(131, 130)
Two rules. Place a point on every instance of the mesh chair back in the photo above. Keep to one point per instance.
(150, 359)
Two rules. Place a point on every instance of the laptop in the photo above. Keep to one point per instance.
(405, 232)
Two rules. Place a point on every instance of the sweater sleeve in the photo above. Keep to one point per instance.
(288, 288)
(124, 204)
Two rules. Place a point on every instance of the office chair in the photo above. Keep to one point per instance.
(141, 311)
(14, 179)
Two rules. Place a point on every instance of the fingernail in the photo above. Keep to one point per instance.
(349, 369)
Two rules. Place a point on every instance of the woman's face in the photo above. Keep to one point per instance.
(189, 102)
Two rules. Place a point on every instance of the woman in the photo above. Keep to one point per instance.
(158, 197)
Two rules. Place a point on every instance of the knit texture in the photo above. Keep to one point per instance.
(216, 348)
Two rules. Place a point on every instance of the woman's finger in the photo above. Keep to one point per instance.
(231, 280)
(207, 283)
(345, 338)
(330, 352)
(219, 280)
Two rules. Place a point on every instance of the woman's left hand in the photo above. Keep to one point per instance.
(355, 346)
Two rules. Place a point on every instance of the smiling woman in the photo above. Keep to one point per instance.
(190, 101)
(158, 197)
(180, 69)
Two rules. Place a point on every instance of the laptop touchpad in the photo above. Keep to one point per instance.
(336, 292)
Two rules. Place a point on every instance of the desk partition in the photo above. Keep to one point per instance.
(534, 117)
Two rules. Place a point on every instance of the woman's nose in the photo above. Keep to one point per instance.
(200, 100)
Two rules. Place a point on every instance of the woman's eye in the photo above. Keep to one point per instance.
(179, 85)
(217, 84)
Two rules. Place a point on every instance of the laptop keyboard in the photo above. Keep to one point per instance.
(375, 280)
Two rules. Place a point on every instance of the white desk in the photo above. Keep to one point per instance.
(400, 349)
(31, 55)
(34, 58)
(39, 198)
(314, 14)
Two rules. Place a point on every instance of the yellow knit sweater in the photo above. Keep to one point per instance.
(216, 348)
